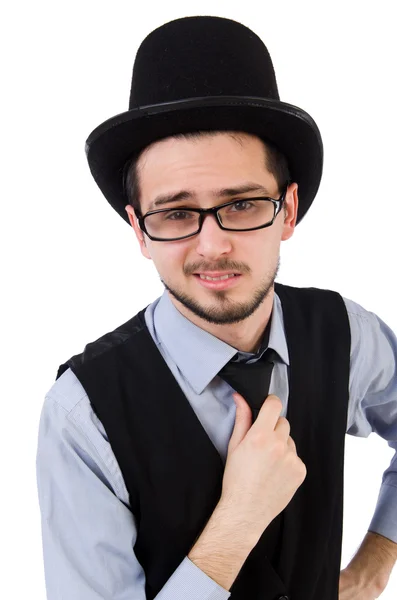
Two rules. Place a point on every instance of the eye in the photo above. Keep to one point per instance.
(178, 215)
(242, 205)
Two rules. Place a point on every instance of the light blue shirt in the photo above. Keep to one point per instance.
(88, 529)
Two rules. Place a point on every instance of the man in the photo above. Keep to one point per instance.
(156, 479)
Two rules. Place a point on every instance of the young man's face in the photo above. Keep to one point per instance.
(202, 167)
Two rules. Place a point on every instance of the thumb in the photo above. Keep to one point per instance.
(242, 423)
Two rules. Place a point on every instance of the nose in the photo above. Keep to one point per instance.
(212, 241)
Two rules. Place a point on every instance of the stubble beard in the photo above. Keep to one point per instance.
(226, 311)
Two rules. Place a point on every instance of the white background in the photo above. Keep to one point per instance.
(70, 264)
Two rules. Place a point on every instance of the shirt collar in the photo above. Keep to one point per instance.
(199, 355)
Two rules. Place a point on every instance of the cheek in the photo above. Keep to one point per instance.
(263, 251)
(167, 259)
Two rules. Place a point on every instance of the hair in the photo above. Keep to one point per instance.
(275, 162)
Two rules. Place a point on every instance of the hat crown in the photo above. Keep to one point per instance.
(197, 57)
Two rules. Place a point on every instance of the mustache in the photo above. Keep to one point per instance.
(224, 265)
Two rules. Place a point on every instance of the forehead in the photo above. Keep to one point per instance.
(202, 165)
(196, 145)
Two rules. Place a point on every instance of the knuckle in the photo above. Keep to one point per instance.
(257, 438)
(278, 448)
(302, 471)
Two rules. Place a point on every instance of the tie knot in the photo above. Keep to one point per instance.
(251, 380)
(269, 355)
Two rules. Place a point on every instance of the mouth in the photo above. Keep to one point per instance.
(217, 281)
(216, 276)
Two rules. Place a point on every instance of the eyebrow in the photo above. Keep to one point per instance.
(222, 193)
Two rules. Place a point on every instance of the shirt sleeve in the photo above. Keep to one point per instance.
(88, 529)
(373, 402)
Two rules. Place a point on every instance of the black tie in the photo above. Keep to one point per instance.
(252, 380)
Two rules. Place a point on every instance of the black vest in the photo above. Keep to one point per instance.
(173, 472)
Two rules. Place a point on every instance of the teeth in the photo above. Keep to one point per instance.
(216, 278)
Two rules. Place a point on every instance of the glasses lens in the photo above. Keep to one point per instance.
(172, 224)
(247, 214)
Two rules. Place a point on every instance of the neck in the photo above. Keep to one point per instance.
(246, 335)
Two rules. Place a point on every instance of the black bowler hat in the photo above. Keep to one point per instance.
(204, 73)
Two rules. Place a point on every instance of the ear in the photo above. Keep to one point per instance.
(290, 212)
(138, 231)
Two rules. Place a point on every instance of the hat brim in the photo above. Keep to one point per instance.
(291, 129)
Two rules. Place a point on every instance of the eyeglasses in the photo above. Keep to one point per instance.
(247, 214)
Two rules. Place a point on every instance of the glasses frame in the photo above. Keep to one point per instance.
(203, 212)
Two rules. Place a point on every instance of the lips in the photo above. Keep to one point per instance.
(217, 278)
(216, 273)
(218, 284)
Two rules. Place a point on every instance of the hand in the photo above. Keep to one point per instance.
(350, 587)
(262, 471)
